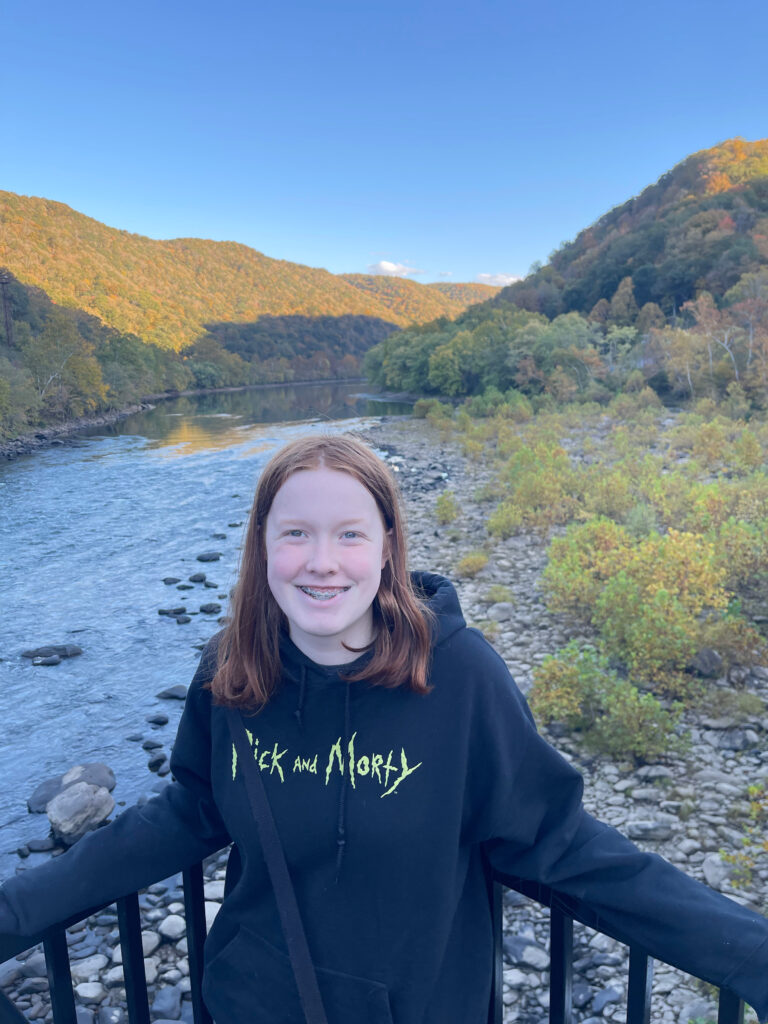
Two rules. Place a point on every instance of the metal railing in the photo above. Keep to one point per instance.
(54, 941)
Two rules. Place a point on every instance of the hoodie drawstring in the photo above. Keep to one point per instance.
(302, 694)
(341, 841)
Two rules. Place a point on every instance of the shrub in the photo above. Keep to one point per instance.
(740, 550)
(497, 593)
(423, 406)
(735, 640)
(506, 520)
(578, 687)
(471, 564)
(607, 492)
(446, 508)
(737, 704)
(542, 484)
(641, 521)
(754, 841)
(654, 636)
(582, 562)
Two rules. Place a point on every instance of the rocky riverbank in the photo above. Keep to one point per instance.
(64, 433)
(686, 809)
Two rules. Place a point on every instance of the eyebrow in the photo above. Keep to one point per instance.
(303, 522)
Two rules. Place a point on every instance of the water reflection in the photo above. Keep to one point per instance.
(190, 424)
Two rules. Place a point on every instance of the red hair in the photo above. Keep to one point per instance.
(248, 671)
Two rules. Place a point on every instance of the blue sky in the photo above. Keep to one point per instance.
(447, 139)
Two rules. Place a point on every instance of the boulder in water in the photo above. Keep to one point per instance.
(95, 773)
(80, 808)
(53, 651)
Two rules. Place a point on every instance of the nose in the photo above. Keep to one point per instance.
(322, 558)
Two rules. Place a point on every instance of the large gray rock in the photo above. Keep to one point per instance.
(716, 871)
(95, 773)
(167, 1003)
(53, 651)
(654, 829)
(178, 692)
(80, 808)
(707, 662)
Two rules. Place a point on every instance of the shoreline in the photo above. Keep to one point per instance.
(60, 433)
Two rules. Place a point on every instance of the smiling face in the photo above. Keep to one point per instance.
(326, 546)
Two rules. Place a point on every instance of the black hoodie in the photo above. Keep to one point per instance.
(389, 804)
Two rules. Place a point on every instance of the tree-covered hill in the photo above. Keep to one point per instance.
(698, 228)
(465, 293)
(164, 291)
(669, 289)
(419, 303)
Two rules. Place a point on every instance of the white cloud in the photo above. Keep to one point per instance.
(445, 273)
(389, 269)
(499, 280)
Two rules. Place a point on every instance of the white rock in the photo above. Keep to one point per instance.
(115, 976)
(214, 890)
(535, 957)
(173, 927)
(149, 942)
(150, 970)
(83, 970)
(91, 991)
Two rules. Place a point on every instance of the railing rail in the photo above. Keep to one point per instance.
(54, 941)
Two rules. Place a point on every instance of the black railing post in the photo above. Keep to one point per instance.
(560, 967)
(194, 911)
(730, 1009)
(129, 919)
(496, 1008)
(640, 983)
(59, 977)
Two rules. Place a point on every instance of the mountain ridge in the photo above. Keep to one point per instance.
(164, 290)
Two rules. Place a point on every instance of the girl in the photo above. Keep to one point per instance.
(401, 765)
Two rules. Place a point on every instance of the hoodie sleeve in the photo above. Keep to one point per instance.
(142, 845)
(535, 827)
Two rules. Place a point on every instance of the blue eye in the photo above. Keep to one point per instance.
(350, 534)
(295, 533)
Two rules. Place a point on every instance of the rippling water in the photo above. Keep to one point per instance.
(87, 535)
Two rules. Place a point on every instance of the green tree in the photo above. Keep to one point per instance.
(623, 311)
(63, 368)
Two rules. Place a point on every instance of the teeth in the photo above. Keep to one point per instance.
(322, 595)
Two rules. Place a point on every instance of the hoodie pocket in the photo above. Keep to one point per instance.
(251, 982)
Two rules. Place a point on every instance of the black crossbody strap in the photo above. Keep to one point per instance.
(290, 918)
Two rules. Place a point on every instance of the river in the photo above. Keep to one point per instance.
(88, 533)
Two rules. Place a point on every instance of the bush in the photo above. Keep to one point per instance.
(577, 687)
(740, 705)
(446, 508)
(641, 521)
(655, 637)
(423, 406)
(471, 564)
(497, 593)
(505, 520)
(582, 562)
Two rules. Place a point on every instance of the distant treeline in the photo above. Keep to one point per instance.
(497, 350)
(58, 363)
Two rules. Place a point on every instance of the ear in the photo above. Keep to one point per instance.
(386, 548)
